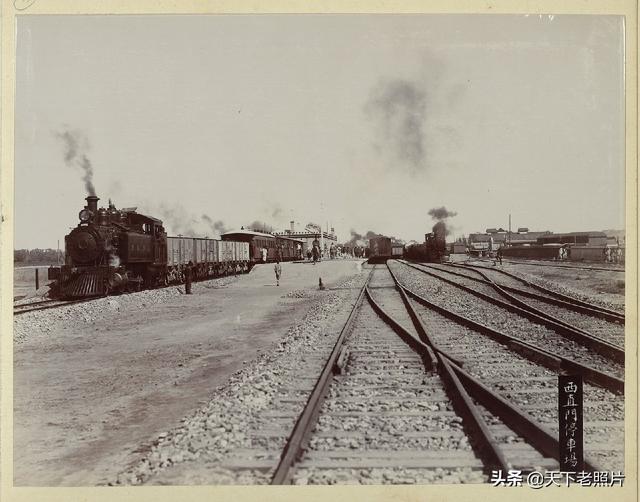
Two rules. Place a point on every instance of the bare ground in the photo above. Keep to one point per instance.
(87, 395)
(605, 285)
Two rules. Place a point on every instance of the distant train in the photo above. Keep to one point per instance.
(113, 251)
(383, 248)
(434, 249)
(569, 252)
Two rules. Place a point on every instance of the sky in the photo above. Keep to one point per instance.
(362, 122)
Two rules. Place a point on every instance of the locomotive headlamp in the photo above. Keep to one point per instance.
(84, 215)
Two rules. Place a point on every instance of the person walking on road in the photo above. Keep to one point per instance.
(277, 268)
(187, 278)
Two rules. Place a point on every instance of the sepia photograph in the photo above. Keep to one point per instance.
(321, 249)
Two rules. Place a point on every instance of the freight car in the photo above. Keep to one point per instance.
(209, 258)
(537, 252)
(397, 250)
(114, 250)
(565, 252)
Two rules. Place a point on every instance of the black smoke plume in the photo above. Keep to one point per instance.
(359, 239)
(259, 226)
(178, 221)
(440, 228)
(75, 148)
(441, 213)
(217, 227)
(276, 211)
(398, 109)
(363, 240)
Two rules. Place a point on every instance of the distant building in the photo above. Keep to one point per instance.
(615, 236)
(493, 238)
(308, 237)
(576, 238)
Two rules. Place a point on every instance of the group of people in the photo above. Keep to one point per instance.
(613, 255)
(315, 253)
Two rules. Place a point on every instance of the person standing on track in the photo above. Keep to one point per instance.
(277, 268)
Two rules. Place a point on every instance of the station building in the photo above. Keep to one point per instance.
(307, 238)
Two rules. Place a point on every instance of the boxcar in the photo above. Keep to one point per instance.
(210, 257)
(397, 250)
(535, 252)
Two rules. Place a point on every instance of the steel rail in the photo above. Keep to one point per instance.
(553, 300)
(528, 350)
(451, 372)
(297, 440)
(514, 417)
(487, 446)
(601, 346)
(40, 302)
(555, 265)
(567, 298)
(47, 307)
(516, 301)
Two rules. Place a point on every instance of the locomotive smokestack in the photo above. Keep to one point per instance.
(92, 203)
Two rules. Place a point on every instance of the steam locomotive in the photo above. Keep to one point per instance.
(112, 251)
(434, 248)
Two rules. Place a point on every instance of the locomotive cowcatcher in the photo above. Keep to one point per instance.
(109, 251)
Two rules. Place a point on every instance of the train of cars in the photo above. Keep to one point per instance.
(113, 250)
(434, 249)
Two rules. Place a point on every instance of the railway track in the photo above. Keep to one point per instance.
(527, 376)
(548, 264)
(45, 305)
(23, 308)
(401, 399)
(517, 284)
(610, 348)
(602, 324)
